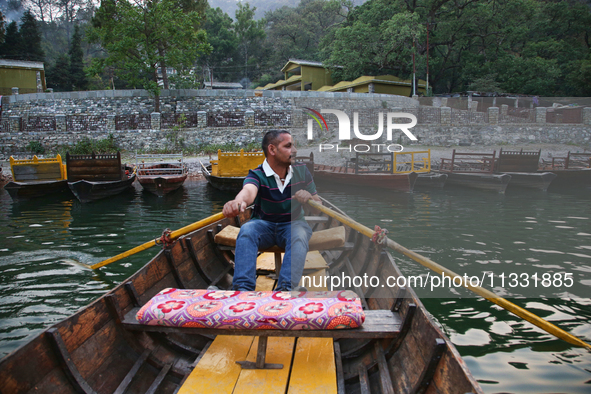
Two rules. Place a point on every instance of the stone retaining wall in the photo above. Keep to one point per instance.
(147, 140)
(123, 102)
(251, 112)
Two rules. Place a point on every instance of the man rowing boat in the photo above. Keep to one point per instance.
(278, 188)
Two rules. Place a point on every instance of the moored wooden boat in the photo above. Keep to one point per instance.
(228, 172)
(523, 168)
(160, 174)
(324, 174)
(92, 351)
(224, 183)
(474, 170)
(572, 171)
(94, 177)
(492, 182)
(531, 180)
(430, 180)
(36, 177)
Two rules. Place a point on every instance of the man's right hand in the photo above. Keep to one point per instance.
(243, 199)
(234, 208)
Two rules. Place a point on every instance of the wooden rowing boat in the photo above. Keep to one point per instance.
(94, 352)
(523, 168)
(430, 180)
(572, 171)
(224, 183)
(347, 176)
(36, 177)
(160, 174)
(229, 170)
(93, 177)
(473, 170)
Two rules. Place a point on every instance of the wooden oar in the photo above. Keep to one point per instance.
(492, 297)
(174, 235)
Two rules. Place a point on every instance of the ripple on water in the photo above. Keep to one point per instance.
(451, 225)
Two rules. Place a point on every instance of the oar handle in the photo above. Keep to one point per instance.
(489, 295)
(174, 235)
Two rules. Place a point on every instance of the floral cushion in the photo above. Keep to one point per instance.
(253, 309)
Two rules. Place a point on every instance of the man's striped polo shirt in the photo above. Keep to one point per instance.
(271, 203)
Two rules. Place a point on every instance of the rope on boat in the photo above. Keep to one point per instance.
(165, 239)
(379, 236)
(487, 294)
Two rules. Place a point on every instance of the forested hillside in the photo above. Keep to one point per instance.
(538, 47)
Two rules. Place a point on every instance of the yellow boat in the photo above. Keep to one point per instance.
(37, 177)
(229, 170)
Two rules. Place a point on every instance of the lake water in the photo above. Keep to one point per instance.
(470, 232)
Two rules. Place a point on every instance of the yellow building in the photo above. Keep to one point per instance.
(385, 84)
(309, 75)
(29, 77)
(305, 75)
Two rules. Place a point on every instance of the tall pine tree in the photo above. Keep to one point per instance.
(58, 76)
(11, 47)
(30, 36)
(77, 75)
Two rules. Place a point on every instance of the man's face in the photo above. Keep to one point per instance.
(285, 150)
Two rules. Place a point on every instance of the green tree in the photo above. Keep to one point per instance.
(30, 37)
(11, 47)
(224, 43)
(2, 28)
(250, 36)
(76, 67)
(519, 46)
(138, 38)
(375, 40)
(297, 32)
(58, 76)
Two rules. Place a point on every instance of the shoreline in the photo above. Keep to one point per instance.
(548, 151)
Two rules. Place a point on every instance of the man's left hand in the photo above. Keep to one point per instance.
(302, 196)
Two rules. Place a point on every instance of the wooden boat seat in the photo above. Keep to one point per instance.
(378, 324)
(320, 240)
(309, 364)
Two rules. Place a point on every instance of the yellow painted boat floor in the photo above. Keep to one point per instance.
(308, 364)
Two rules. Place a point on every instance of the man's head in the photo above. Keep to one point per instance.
(278, 147)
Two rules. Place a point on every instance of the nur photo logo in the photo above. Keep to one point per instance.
(345, 129)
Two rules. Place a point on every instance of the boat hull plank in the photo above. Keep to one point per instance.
(430, 181)
(87, 191)
(161, 185)
(492, 182)
(227, 184)
(35, 189)
(213, 376)
(313, 368)
(571, 178)
(272, 381)
(531, 180)
(343, 176)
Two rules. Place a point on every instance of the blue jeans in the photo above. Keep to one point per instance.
(260, 234)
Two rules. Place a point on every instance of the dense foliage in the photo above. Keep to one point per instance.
(538, 47)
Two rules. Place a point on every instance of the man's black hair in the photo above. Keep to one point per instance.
(272, 138)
